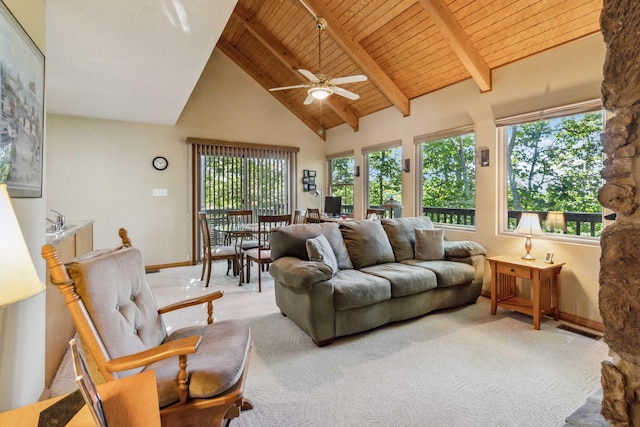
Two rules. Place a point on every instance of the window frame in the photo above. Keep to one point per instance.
(418, 142)
(330, 159)
(365, 165)
(502, 124)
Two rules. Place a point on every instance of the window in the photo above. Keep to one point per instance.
(341, 168)
(232, 176)
(448, 179)
(553, 163)
(383, 170)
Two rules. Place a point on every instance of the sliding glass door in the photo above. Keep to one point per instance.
(232, 176)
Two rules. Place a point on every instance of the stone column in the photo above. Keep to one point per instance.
(620, 259)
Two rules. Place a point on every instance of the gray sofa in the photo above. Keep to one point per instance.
(378, 279)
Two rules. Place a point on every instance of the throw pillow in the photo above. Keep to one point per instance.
(429, 244)
(319, 249)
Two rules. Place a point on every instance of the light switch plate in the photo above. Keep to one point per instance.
(160, 192)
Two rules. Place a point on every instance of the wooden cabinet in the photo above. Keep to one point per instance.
(59, 327)
(544, 279)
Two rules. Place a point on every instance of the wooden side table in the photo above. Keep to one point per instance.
(131, 401)
(505, 269)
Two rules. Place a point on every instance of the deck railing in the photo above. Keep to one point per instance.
(576, 223)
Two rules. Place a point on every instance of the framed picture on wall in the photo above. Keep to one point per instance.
(21, 109)
(305, 180)
(305, 173)
(312, 173)
(312, 187)
(305, 187)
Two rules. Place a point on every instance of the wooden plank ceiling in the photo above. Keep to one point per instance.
(406, 48)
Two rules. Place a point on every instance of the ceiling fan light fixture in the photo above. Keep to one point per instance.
(320, 92)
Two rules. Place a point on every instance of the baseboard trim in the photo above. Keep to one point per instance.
(150, 268)
(576, 320)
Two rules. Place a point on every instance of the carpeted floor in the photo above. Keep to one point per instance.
(458, 367)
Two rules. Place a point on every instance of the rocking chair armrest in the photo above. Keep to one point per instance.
(179, 347)
(191, 302)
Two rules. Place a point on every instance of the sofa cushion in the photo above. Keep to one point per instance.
(405, 279)
(429, 244)
(319, 249)
(449, 273)
(366, 242)
(291, 240)
(400, 232)
(352, 289)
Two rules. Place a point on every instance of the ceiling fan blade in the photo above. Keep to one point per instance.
(345, 93)
(287, 87)
(308, 100)
(308, 74)
(349, 79)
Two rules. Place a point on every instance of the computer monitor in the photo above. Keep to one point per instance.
(333, 206)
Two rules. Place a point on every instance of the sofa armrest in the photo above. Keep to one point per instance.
(296, 273)
(463, 249)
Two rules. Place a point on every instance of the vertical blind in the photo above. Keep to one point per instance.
(245, 178)
(233, 176)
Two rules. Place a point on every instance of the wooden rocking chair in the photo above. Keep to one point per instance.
(122, 333)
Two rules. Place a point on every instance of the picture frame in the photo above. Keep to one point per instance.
(312, 187)
(312, 173)
(305, 173)
(549, 258)
(305, 187)
(312, 180)
(87, 386)
(21, 109)
(305, 180)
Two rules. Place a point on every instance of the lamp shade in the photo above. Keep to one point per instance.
(392, 203)
(555, 219)
(529, 224)
(18, 277)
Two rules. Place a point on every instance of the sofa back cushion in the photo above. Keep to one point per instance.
(291, 241)
(366, 242)
(401, 234)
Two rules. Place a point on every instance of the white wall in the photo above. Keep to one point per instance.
(22, 324)
(101, 169)
(565, 75)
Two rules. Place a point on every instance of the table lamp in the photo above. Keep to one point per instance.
(529, 225)
(555, 219)
(18, 277)
(391, 204)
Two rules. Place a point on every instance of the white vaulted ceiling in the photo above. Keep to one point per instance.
(132, 60)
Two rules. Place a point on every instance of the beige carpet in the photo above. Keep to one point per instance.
(459, 367)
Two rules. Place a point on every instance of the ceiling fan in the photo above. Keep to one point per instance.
(321, 86)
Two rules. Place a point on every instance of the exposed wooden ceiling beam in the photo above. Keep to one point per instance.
(459, 42)
(287, 58)
(265, 82)
(360, 56)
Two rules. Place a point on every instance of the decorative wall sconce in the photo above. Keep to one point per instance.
(356, 172)
(407, 165)
(484, 156)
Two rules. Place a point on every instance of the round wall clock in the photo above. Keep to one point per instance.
(160, 163)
